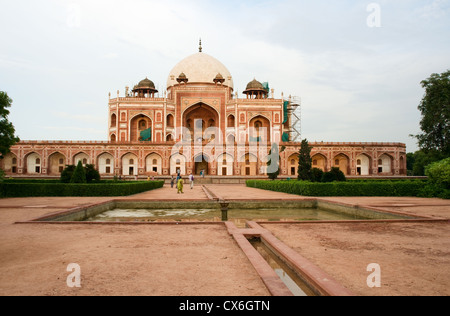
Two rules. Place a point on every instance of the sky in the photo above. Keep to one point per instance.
(355, 65)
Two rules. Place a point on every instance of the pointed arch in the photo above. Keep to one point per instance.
(130, 164)
(56, 163)
(33, 163)
(342, 161)
(83, 157)
(385, 163)
(138, 123)
(319, 161)
(153, 164)
(105, 163)
(363, 163)
(225, 165)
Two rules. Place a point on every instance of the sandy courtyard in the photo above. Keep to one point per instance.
(204, 260)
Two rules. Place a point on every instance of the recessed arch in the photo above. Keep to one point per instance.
(177, 164)
(292, 164)
(225, 163)
(130, 165)
(56, 163)
(385, 164)
(259, 129)
(139, 123)
(319, 161)
(249, 165)
(83, 157)
(33, 163)
(153, 164)
(105, 162)
(199, 117)
(363, 163)
(341, 161)
(9, 163)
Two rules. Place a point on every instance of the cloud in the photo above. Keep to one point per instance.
(436, 10)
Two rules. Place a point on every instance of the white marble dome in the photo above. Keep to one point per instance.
(200, 68)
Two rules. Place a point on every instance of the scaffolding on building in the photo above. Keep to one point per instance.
(294, 110)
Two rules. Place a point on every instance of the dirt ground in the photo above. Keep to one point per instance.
(155, 260)
(414, 259)
(203, 260)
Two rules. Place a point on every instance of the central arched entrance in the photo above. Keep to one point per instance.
(198, 118)
(201, 164)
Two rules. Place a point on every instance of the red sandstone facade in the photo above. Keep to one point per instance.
(199, 125)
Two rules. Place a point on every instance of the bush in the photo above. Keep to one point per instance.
(79, 175)
(92, 174)
(41, 189)
(439, 173)
(372, 188)
(335, 174)
(67, 173)
(317, 175)
(2, 175)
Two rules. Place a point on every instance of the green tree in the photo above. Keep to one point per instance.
(7, 131)
(92, 174)
(305, 162)
(435, 109)
(79, 175)
(317, 174)
(439, 173)
(335, 174)
(422, 158)
(67, 173)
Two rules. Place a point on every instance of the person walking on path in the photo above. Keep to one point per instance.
(180, 186)
(191, 180)
(172, 181)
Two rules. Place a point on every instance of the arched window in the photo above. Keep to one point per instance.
(38, 161)
(170, 121)
(293, 162)
(113, 120)
(84, 161)
(336, 162)
(61, 161)
(358, 162)
(14, 161)
(230, 121)
(131, 161)
(155, 161)
(108, 161)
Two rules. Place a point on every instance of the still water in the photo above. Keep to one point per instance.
(238, 216)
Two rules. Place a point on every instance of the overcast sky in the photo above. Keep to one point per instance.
(356, 65)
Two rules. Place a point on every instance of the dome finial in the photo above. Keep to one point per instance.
(200, 46)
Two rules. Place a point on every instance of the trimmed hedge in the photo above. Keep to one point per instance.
(67, 189)
(376, 188)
